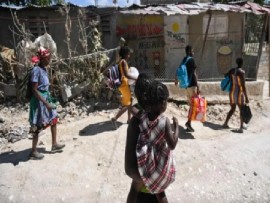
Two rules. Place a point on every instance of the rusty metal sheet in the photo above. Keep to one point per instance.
(197, 8)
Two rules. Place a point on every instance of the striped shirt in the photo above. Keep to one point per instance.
(155, 159)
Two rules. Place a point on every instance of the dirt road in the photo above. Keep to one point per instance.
(213, 165)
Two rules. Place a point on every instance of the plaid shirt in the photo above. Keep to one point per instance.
(155, 160)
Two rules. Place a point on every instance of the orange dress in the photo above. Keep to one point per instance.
(124, 88)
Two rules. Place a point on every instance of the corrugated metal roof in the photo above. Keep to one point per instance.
(195, 9)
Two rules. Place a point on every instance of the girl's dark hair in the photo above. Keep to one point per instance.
(150, 92)
(124, 51)
(141, 90)
(158, 92)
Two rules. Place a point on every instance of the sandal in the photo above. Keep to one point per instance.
(225, 126)
(58, 147)
(189, 128)
(36, 156)
(240, 130)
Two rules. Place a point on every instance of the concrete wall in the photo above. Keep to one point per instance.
(263, 71)
(212, 64)
(212, 92)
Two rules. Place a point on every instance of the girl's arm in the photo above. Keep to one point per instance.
(124, 68)
(131, 166)
(171, 136)
(136, 110)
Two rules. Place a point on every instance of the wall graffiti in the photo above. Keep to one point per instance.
(151, 44)
(176, 36)
(139, 30)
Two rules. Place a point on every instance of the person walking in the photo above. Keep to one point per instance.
(42, 112)
(193, 87)
(238, 94)
(124, 90)
(150, 142)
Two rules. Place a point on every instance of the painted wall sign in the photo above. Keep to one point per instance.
(176, 39)
(147, 26)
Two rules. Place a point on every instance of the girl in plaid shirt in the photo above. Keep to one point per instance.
(150, 141)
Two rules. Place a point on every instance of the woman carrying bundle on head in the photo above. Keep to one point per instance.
(42, 111)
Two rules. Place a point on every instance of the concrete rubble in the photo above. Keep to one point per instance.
(11, 130)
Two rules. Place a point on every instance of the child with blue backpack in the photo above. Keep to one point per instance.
(188, 79)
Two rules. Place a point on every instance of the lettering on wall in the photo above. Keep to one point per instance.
(175, 33)
(129, 31)
(176, 36)
(151, 44)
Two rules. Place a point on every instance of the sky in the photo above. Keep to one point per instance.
(102, 3)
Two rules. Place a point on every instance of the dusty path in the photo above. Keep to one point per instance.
(213, 165)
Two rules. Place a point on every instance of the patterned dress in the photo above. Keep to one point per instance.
(155, 160)
(236, 94)
(39, 116)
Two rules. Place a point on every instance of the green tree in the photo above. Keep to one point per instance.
(29, 2)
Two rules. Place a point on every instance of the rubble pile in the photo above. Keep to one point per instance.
(14, 116)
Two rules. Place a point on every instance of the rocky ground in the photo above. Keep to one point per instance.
(13, 115)
(213, 164)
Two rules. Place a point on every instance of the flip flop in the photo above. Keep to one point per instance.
(224, 126)
(189, 128)
(240, 130)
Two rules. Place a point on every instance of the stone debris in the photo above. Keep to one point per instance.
(12, 130)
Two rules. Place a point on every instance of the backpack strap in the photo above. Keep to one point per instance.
(189, 57)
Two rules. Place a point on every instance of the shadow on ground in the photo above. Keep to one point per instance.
(183, 134)
(96, 128)
(212, 125)
(20, 156)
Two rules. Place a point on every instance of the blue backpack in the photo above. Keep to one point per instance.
(226, 84)
(182, 74)
(114, 77)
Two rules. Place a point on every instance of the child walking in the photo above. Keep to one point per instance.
(150, 140)
(124, 89)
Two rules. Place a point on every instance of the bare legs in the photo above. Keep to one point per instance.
(54, 133)
(134, 191)
(230, 113)
(120, 113)
(34, 142)
(55, 146)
